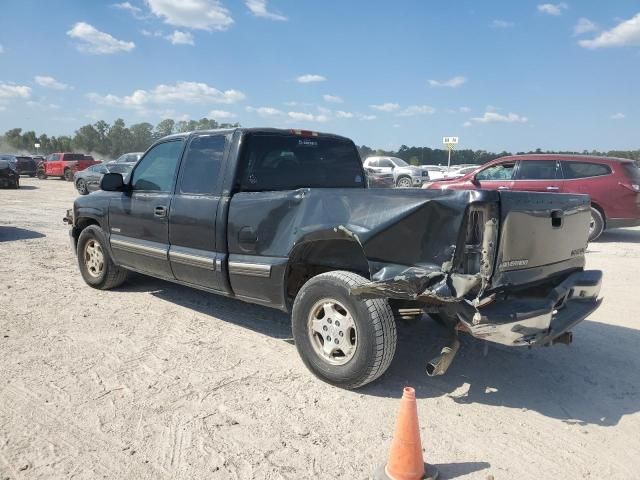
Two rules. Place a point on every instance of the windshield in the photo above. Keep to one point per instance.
(399, 162)
(288, 162)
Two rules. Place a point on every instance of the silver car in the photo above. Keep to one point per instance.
(404, 175)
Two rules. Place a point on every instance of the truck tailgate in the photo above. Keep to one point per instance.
(541, 234)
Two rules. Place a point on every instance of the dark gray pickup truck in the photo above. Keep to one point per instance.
(284, 218)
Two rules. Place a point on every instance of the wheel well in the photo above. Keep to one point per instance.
(80, 225)
(313, 258)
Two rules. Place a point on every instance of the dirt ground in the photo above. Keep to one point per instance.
(155, 380)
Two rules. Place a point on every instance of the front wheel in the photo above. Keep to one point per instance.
(96, 266)
(82, 188)
(343, 340)
(596, 224)
(404, 182)
(41, 174)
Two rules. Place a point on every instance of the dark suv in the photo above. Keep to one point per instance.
(612, 183)
(26, 165)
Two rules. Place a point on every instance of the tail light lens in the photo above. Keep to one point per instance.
(481, 235)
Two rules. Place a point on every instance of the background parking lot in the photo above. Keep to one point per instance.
(155, 380)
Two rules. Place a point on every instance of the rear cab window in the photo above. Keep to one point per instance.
(69, 157)
(280, 161)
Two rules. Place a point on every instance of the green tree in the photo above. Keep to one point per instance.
(141, 136)
(164, 128)
(87, 138)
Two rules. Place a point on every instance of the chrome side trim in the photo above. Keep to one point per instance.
(132, 247)
(250, 269)
(192, 260)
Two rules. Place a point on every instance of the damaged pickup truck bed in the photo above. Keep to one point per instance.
(284, 218)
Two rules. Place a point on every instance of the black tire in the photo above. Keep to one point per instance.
(41, 174)
(68, 175)
(81, 186)
(404, 182)
(596, 225)
(110, 275)
(374, 323)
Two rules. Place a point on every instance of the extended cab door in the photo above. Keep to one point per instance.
(139, 218)
(193, 253)
(496, 177)
(538, 176)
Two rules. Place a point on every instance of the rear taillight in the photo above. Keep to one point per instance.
(634, 187)
(481, 234)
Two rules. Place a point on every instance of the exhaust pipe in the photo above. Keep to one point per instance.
(440, 364)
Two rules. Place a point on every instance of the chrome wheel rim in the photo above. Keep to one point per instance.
(404, 183)
(332, 332)
(94, 258)
(82, 186)
(592, 224)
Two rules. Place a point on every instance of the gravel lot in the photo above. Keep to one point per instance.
(154, 380)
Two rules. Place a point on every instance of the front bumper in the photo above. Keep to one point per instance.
(528, 321)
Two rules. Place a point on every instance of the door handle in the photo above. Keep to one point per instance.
(503, 188)
(160, 211)
(553, 189)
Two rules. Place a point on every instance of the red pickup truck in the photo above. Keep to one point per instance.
(64, 165)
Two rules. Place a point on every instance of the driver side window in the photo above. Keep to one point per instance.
(504, 171)
(156, 172)
(386, 163)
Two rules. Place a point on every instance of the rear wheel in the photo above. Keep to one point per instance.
(68, 175)
(41, 174)
(404, 182)
(96, 266)
(345, 341)
(81, 186)
(596, 224)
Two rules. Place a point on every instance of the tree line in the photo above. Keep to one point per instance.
(437, 156)
(112, 140)
(102, 138)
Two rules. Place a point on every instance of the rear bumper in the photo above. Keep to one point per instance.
(538, 321)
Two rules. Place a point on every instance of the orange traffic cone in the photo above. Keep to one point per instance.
(405, 457)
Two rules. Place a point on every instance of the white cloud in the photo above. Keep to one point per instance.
(554, 9)
(417, 110)
(502, 24)
(307, 117)
(265, 111)
(618, 116)
(584, 25)
(493, 117)
(180, 38)
(464, 109)
(259, 9)
(310, 78)
(148, 33)
(332, 98)
(451, 83)
(195, 14)
(1, 48)
(343, 114)
(96, 42)
(132, 9)
(367, 117)
(9, 91)
(180, 92)
(50, 82)
(625, 34)
(221, 115)
(396, 125)
(386, 107)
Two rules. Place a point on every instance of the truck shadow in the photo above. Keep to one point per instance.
(626, 235)
(10, 234)
(596, 380)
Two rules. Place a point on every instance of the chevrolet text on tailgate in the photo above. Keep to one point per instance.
(284, 218)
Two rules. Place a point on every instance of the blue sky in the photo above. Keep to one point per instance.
(511, 75)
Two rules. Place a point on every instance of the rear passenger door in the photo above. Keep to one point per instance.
(194, 254)
(538, 176)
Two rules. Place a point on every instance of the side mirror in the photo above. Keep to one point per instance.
(112, 182)
(475, 181)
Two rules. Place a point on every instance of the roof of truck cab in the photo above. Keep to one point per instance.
(286, 131)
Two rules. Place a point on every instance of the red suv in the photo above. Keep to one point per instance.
(612, 183)
(64, 165)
